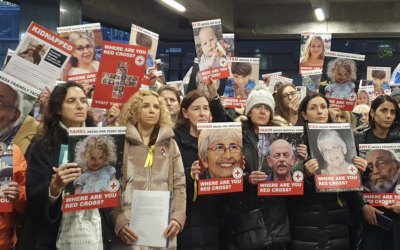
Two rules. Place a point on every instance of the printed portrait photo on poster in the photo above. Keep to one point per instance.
(313, 45)
(312, 80)
(276, 81)
(379, 77)
(229, 44)
(146, 38)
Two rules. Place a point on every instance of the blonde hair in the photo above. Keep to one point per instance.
(93, 142)
(131, 110)
(307, 52)
(365, 92)
(346, 64)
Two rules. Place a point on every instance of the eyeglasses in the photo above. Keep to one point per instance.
(380, 164)
(291, 94)
(220, 149)
(334, 149)
(82, 48)
(2, 106)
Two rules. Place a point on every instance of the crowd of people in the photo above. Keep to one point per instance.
(158, 120)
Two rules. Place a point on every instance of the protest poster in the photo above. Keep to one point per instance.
(229, 44)
(267, 77)
(280, 161)
(221, 171)
(99, 153)
(339, 75)
(312, 48)
(244, 73)
(178, 85)
(383, 185)
(40, 57)
(83, 64)
(10, 52)
(312, 80)
(145, 38)
(276, 81)
(379, 78)
(332, 145)
(16, 101)
(210, 51)
(395, 78)
(301, 91)
(121, 70)
(365, 95)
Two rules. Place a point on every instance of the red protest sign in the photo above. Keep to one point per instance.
(223, 185)
(280, 188)
(90, 201)
(337, 181)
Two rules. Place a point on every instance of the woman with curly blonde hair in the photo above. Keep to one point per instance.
(153, 162)
(342, 72)
(314, 52)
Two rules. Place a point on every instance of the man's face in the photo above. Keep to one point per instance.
(385, 170)
(38, 48)
(171, 102)
(281, 158)
(220, 164)
(8, 112)
(241, 81)
(208, 40)
(332, 151)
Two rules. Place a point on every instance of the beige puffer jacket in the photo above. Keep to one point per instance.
(150, 178)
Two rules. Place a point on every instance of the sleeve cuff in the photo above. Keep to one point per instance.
(53, 199)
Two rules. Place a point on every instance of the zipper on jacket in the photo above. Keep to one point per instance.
(323, 221)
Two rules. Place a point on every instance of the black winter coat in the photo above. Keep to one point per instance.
(241, 209)
(201, 227)
(42, 220)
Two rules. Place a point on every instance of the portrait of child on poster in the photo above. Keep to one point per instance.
(280, 160)
(379, 78)
(312, 48)
(339, 74)
(276, 81)
(99, 153)
(145, 38)
(244, 73)
(383, 185)
(332, 144)
(229, 44)
(83, 64)
(220, 158)
(312, 80)
(210, 50)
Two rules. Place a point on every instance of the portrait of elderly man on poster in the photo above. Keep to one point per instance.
(220, 152)
(281, 158)
(10, 112)
(333, 150)
(385, 168)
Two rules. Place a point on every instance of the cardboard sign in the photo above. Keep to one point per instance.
(312, 48)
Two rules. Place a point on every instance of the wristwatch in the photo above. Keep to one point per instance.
(214, 98)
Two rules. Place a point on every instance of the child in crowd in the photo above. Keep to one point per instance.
(378, 81)
(314, 52)
(208, 41)
(146, 41)
(341, 72)
(28, 56)
(95, 155)
(240, 85)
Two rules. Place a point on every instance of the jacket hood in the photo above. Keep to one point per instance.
(132, 134)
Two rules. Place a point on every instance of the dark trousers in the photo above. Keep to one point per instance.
(374, 237)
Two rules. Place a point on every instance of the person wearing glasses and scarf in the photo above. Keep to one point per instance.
(287, 105)
(83, 60)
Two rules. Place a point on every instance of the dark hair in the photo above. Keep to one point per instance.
(241, 68)
(380, 74)
(143, 40)
(375, 105)
(51, 119)
(303, 108)
(186, 102)
(172, 89)
(277, 85)
(280, 109)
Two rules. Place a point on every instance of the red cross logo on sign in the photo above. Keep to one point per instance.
(298, 176)
(3, 148)
(398, 189)
(113, 186)
(223, 62)
(352, 97)
(139, 60)
(351, 169)
(237, 173)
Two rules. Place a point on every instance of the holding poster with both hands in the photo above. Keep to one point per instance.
(280, 161)
(220, 158)
(99, 153)
(332, 145)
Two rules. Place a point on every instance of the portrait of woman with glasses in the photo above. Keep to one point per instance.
(83, 60)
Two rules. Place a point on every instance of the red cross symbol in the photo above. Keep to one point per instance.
(352, 169)
(398, 189)
(1, 149)
(237, 172)
(352, 96)
(140, 60)
(223, 62)
(298, 176)
(113, 185)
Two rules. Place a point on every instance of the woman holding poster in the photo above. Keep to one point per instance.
(384, 120)
(152, 152)
(67, 107)
(315, 214)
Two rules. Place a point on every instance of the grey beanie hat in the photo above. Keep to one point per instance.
(260, 95)
(395, 93)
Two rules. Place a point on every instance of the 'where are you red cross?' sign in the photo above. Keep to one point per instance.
(343, 104)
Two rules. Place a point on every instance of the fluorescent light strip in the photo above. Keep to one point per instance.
(175, 5)
(320, 14)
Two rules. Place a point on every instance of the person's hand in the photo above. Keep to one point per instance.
(209, 62)
(153, 76)
(64, 175)
(240, 110)
(172, 230)
(127, 235)
(302, 151)
(86, 87)
(44, 98)
(311, 167)
(223, 101)
(195, 169)
(360, 163)
(294, 105)
(257, 176)
(394, 206)
(369, 214)
(12, 191)
(212, 87)
(113, 114)
(334, 111)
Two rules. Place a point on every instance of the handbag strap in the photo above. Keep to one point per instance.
(171, 168)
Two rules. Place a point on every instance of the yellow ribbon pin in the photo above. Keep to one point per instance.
(149, 160)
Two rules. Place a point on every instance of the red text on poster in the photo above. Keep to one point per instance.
(280, 188)
(232, 102)
(223, 185)
(87, 78)
(344, 105)
(381, 199)
(337, 181)
(215, 73)
(90, 201)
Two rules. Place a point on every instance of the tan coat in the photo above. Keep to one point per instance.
(150, 178)
(28, 130)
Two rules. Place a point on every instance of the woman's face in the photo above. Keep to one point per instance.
(384, 115)
(287, 95)
(317, 111)
(260, 114)
(333, 152)
(84, 56)
(316, 48)
(362, 98)
(197, 112)
(96, 160)
(340, 118)
(74, 108)
(150, 110)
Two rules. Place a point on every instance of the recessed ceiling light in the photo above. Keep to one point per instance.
(320, 14)
(175, 5)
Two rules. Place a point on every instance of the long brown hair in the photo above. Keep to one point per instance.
(280, 109)
(186, 102)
